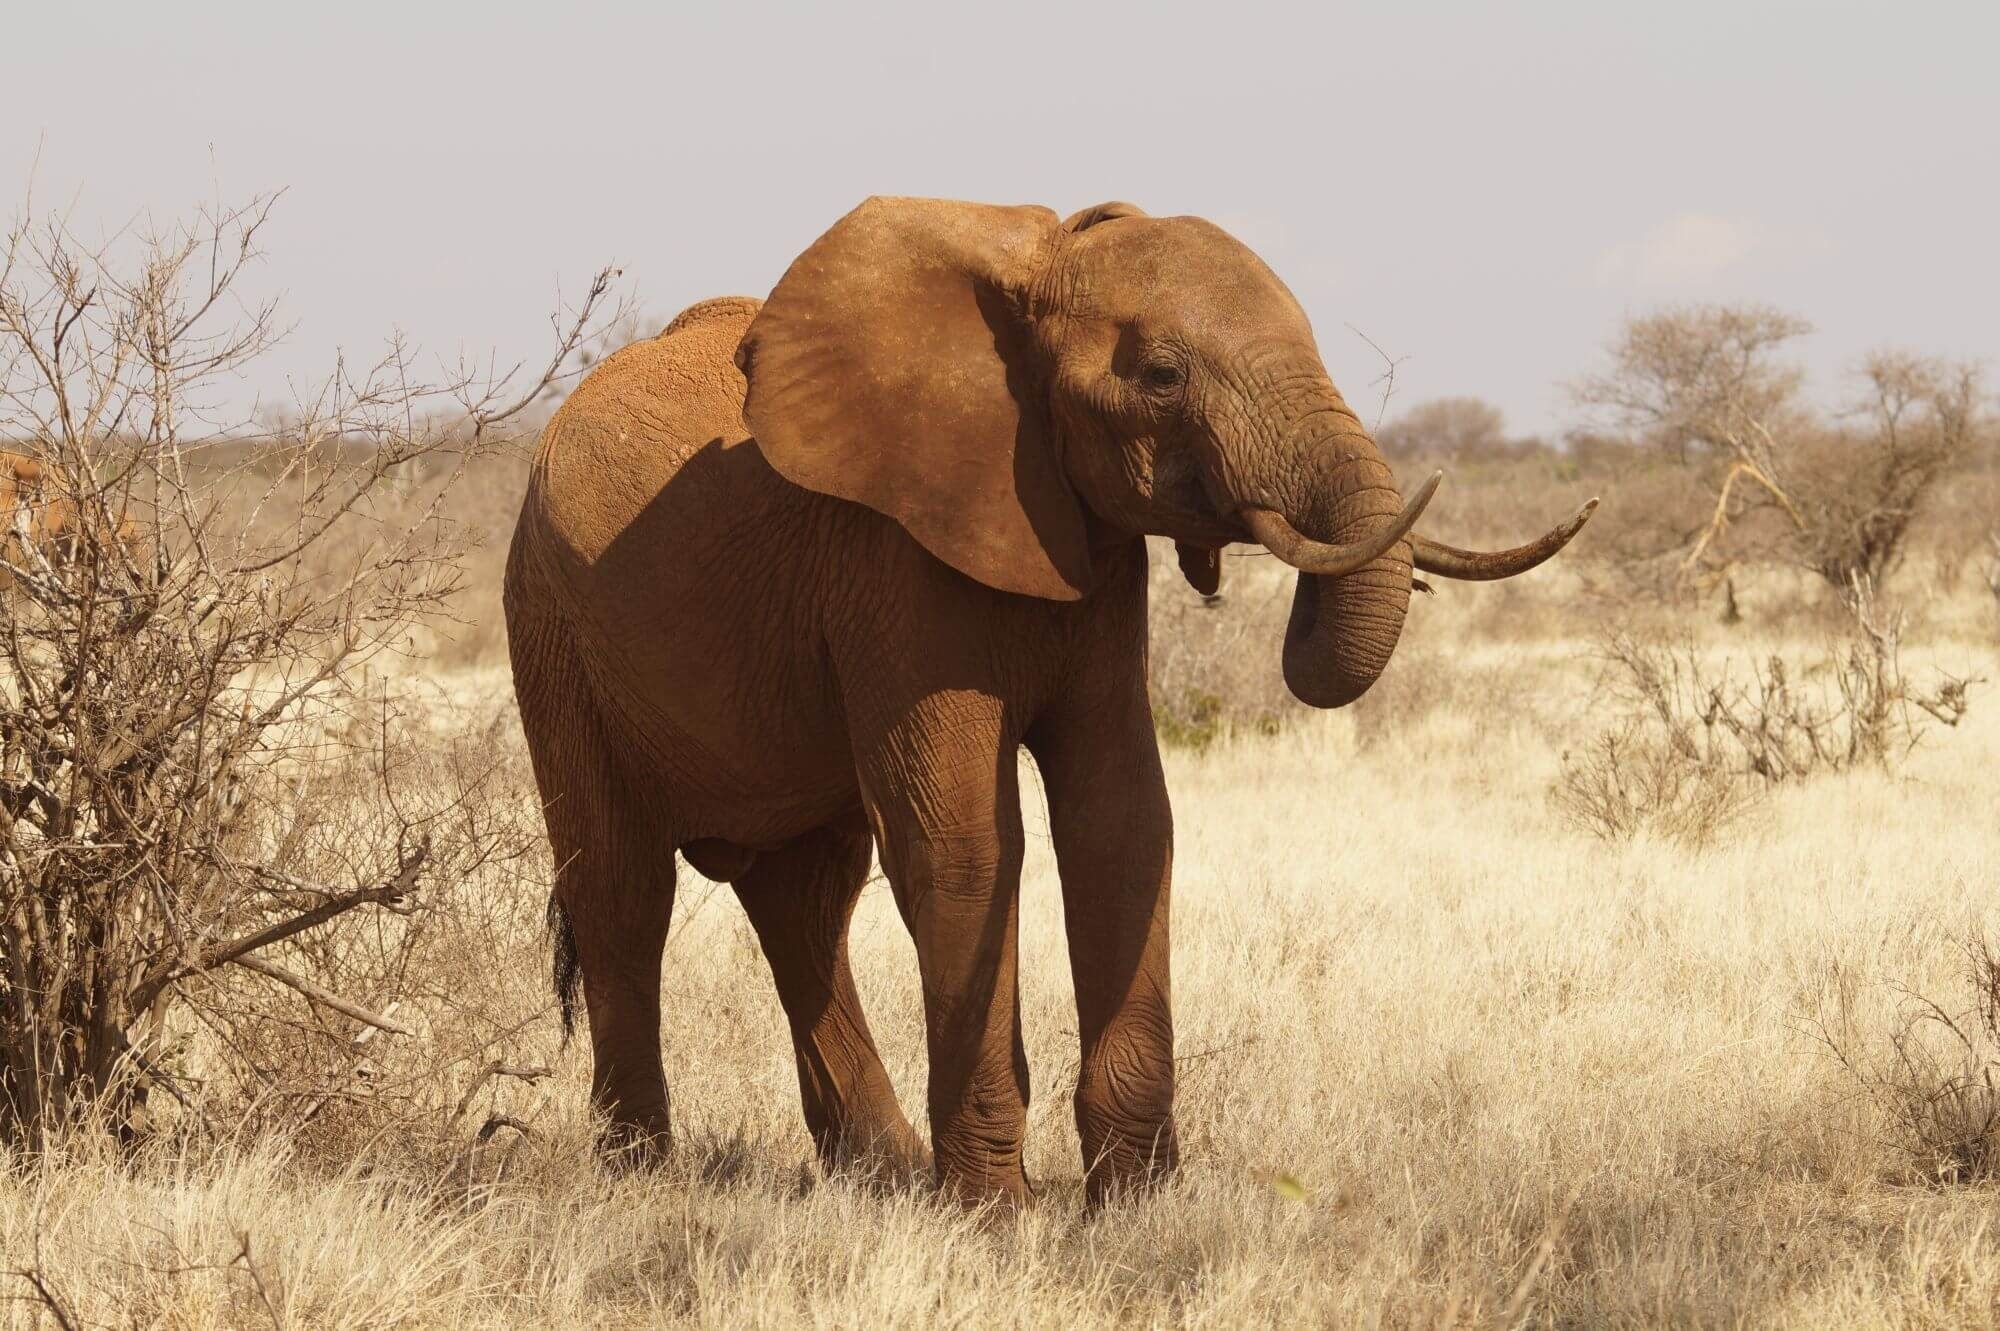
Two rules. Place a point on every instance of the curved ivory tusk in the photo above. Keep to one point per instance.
(1334, 561)
(1449, 561)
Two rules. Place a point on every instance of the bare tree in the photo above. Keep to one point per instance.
(195, 646)
(1861, 490)
(1706, 384)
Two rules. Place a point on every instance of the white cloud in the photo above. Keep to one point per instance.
(1685, 249)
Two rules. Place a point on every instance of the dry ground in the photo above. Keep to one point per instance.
(1444, 1060)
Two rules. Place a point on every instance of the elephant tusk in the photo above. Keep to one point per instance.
(1476, 566)
(1334, 561)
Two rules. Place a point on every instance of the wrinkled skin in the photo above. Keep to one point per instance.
(795, 577)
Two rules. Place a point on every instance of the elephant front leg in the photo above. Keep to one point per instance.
(942, 791)
(1113, 834)
(963, 915)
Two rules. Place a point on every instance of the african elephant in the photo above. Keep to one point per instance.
(800, 575)
(43, 524)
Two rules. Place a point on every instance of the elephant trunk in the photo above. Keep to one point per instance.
(1345, 528)
(1343, 630)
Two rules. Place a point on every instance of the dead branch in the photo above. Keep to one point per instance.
(324, 997)
(487, 1074)
(47, 1296)
(390, 893)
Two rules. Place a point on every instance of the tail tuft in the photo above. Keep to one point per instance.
(566, 971)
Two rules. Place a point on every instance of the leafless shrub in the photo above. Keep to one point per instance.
(1631, 779)
(1782, 729)
(183, 702)
(1930, 1069)
(1695, 739)
(292, 1061)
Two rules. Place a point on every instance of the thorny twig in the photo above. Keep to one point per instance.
(1387, 378)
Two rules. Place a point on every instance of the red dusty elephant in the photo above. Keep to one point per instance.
(40, 514)
(799, 575)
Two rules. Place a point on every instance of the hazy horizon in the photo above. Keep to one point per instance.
(1483, 194)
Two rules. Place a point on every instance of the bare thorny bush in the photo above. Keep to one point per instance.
(194, 778)
(1993, 567)
(1697, 741)
(1931, 1068)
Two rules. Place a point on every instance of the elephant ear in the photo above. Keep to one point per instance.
(892, 366)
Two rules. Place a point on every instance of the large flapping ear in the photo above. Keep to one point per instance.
(891, 366)
(1108, 211)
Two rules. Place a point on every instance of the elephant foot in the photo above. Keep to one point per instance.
(630, 1145)
(1130, 1168)
(999, 1192)
(889, 1157)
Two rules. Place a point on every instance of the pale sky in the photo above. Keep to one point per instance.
(1485, 190)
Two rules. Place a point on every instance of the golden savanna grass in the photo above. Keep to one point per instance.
(1445, 1060)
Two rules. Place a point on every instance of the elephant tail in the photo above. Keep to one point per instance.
(565, 969)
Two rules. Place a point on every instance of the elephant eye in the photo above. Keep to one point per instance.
(1161, 374)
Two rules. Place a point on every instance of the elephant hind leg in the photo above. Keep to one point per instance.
(614, 892)
(800, 899)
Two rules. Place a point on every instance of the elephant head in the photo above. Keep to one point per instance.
(1021, 392)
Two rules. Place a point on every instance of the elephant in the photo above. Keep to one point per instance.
(46, 527)
(797, 578)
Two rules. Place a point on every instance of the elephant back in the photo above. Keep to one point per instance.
(736, 311)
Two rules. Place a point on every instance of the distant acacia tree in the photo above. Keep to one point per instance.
(1707, 385)
(1702, 379)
